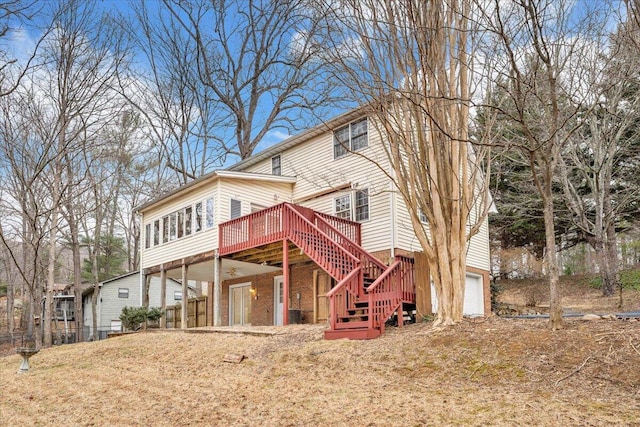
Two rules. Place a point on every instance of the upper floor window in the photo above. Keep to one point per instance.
(177, 295)
(353, 205)
(147, 236)
(123, 292)
(276, 165)
(362, 205)
(165, 229)
(156, 232)
(209, 212)
(422, 216)
(235, 209)
(352, 137)
(198, 219)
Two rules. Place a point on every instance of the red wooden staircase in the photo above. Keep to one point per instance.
(367, 292)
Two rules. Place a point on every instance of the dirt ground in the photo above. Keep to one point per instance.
(496, 371)
(529, 296)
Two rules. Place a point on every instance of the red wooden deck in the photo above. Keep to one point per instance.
(367, 290)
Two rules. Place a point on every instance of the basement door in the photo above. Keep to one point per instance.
(240, 304)
(278, 300)
(322, 283)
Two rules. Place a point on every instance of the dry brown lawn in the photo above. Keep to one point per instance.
(497, 371)
(492, 372)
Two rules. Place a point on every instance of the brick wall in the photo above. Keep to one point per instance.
(262, 303)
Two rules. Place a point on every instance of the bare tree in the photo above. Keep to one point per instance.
(258, 60)
(80, 60)
(536, 43)
(409, 63)
(594, 168)
(180, 112)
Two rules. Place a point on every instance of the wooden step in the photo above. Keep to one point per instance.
(352, 334)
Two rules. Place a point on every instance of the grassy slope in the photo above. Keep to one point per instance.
(497, 372)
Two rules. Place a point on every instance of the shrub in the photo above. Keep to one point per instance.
(132, 317)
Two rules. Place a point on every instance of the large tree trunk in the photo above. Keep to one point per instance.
(551, 258)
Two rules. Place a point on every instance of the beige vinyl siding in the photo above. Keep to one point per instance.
(316, 170)
(260, 193)
(477, 250)
(202, 241)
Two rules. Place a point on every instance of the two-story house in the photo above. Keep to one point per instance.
(309, 230)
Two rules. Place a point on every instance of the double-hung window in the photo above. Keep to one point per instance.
(156, 232)
(147, 236)
(352, 137)
(353, 206)
(276, 165)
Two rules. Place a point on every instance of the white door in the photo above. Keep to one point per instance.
(473, 304)
(240, 304)
(278, 300)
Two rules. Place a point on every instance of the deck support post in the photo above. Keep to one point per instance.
(184, 308)
(285, 279)
(163, 296)
(217, 291)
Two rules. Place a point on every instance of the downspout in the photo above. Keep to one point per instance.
(392, 214)
(140, 257)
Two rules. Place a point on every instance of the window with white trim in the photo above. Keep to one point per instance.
(343, 206)
(156, 232)
(173, 226)
(353, 206)
(362, 205)
(422, 216)
(235, 209)
(198, 219)
(209, 213)
(188, 220)
(180, 214)
(123, 292)
(276, 165)
(147, 236)
(352, 137)
(165, 229)
(177, 295)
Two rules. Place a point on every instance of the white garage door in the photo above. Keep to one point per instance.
(473, 297)
(473, 304)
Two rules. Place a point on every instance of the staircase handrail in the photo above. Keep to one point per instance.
(345, 252)
(343, 282)
(353, 226)
(372, 287)
(359, 248)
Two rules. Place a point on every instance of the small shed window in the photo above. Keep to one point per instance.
(177, 295)
(123, 292)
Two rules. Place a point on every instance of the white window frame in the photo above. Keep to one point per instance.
(344, 200)
(197, 222)
(177, 295)
(231, 211)
(342, 148)
(276, 169)
(209, 212)
(351, 212)
(122, 292)
(147, 236)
